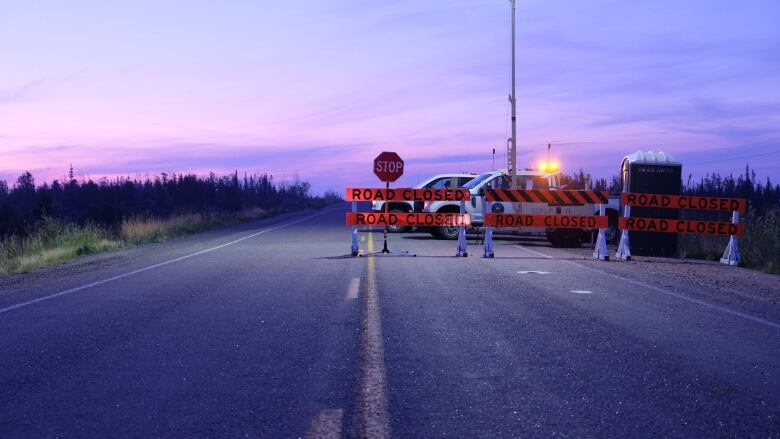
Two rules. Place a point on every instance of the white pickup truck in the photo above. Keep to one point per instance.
(441, 181)
(529, 180)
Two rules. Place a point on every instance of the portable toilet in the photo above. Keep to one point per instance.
(648, 172)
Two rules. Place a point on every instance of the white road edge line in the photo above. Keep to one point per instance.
(372, 412)
(661, 290)
(353, 289)
(152, 267)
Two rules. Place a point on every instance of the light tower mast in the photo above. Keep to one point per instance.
(513, 101)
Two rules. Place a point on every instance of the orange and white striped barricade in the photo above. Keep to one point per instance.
(733, 229)
(413, 219)
(552, 198)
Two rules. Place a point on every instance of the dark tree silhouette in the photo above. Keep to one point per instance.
(109, 201)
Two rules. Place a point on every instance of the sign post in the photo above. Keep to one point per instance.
(389, 167)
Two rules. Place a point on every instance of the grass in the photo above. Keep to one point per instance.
(53, 242)
(759, 247)
(138, 230)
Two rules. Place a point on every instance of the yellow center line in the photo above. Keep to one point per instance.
(373, 419)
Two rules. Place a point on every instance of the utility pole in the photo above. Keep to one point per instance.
(513, 100)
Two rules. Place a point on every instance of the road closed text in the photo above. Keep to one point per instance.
(408, 219)
(407, 194)
(546, 221)
(681, 226)
(684, 202)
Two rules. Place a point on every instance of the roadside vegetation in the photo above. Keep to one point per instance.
(51, 242)
(759, 247)
(45, 225)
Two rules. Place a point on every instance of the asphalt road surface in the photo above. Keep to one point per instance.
(269, 330)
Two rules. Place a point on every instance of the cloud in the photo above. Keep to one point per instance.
(21, 92)
(184, 156)
(444, 159)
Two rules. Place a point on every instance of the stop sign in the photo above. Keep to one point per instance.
(388, 166)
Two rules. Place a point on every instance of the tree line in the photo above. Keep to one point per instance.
(109, 201)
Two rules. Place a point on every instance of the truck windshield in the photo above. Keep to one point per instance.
(475, 182)
(538, 182)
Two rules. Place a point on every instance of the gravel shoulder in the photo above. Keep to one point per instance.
(736, 287)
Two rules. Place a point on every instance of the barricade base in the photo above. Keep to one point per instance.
(600, 251)
(462, 244)
(731, 256)
(488, 247)
(355, 250)
(623, 251)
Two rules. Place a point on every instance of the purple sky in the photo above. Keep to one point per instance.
(318, 88)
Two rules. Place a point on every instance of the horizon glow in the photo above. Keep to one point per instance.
(315, 90)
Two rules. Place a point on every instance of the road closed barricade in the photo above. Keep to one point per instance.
(408, 219)
(413, 219)
(407, 194)
(732, 229)
(546, 221)
(557, 221)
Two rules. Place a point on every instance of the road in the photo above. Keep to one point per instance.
(269, 330)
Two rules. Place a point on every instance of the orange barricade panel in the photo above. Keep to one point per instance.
(547, 221)
(408, 219)
(407, 194)
(684, 202)
(555, 198)
(681, 226)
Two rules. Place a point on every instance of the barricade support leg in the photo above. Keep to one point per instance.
(355, 247)
(488, 247)
(463, 250)
(731, 255)
(600, 251)
(623, 251)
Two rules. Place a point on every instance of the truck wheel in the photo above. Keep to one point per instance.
(611, 232)
(565, 238)
(445, 232)
(398, 229)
